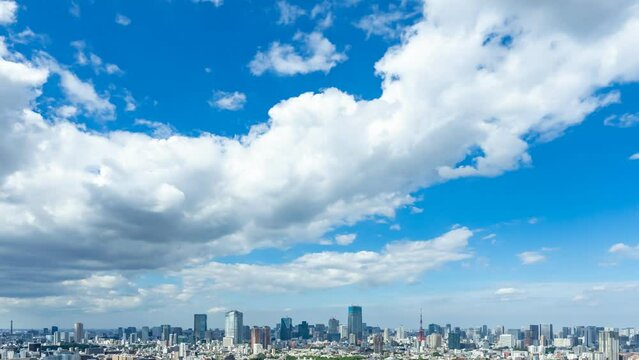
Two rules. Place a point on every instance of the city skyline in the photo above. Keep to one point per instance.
(284, 158)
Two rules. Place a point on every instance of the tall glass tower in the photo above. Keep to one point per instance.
(286, 328)
(233, 326)
(199, 326)
(355, 321)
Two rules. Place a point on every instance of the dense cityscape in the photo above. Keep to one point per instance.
(289, 341)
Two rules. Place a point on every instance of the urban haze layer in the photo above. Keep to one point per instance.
(288, 340)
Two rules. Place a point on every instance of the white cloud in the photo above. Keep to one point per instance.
(66, 111)
(88, 58)
(322, 14)
(345, 239)
(74, 9)
(395, 227)
(159, 130)
(531, 257)
(288, 12)
(625, 250)
(489, 236)
(624, 121)
(84, 95)
(216, 3)
(8, 10)
(416, 210)
(321, 161)
(129, 101)
(216, 310)
(228, 100)
(634, 156)
(403, 261)
(386, 24)
(122, 20)
(317, 54)
(507, 291)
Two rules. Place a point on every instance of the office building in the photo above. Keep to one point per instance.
(199, 327)
(234, 326)
(78, 332)
(286, 328)
(545, 330)
(355, 325)
(609, 344)
(454, 341)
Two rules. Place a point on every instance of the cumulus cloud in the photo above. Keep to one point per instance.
(126, 201)
(623, 121)
(531, 257)
(82, 57)
(83, 94)
(345, 239)
(634, 156)
(122, 20)
(158, 129)
(389, 24)
(402, 261)
(288, 12)
(625, 250)
(316, 53)
(8, 10)
(228, 100)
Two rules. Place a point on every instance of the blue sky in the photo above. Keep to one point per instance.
(165, 158)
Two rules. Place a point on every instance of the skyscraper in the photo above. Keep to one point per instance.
(333, 329)
(166, 333)
(609, 344)
(78, 330)
(234, 325)
(286, 328)
(546, 331)
(199, 326)
(534, 334)
(303, 330)
(454, 341)
(355, 321)
(266, 337)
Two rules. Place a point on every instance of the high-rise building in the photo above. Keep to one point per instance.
(590, 336)
(266, 337)
(333, 329)
(256, 336)
(78, 332)
(434, 340)
(400, 333)
(534, 334)
(199, 326)
(166, 333)
(355, 325)
(144, 333)
(303, 330)
(454, 341)
(609, 344)
(54, 329)
(546, 331)
(234, 325)
(343, 332)
(378, 343)
(506, 341)
(286, 328)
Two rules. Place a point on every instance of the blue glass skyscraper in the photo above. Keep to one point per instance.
(355, 321)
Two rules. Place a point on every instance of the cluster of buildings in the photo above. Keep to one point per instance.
(287, 340)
